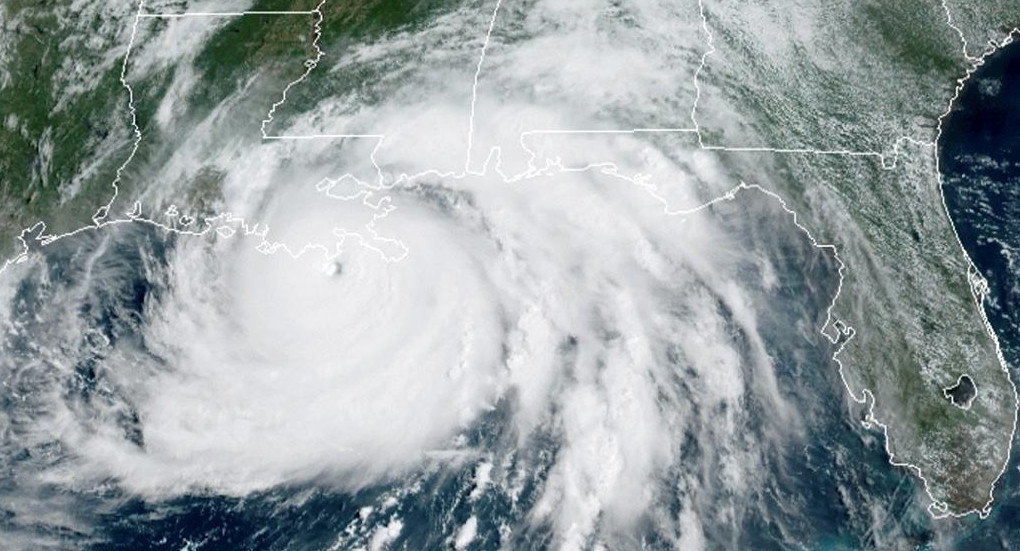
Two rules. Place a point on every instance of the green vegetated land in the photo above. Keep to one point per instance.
(865, 75)
(46, 145)
(62, 139)
(868, 73)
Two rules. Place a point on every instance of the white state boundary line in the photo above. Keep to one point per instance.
(103, 211)
(474, 87)
(936, 509)
(887, 161)
(310, 65)
(709, 50)
(979, 285)
(220, 14)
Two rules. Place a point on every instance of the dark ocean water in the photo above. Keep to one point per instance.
(979, 155)
(829, 488)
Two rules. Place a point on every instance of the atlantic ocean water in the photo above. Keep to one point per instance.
(827, 485)
(979, 156)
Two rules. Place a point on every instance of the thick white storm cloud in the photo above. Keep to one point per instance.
(360, 323)
(290, 357)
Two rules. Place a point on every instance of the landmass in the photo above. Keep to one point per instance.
(836, 107)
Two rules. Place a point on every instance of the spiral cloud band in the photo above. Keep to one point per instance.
(573, 302)
(360, 308)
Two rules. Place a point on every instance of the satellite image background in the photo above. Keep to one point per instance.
(509, 275)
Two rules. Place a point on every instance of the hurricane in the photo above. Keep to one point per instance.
(572, 308)
(481, 280)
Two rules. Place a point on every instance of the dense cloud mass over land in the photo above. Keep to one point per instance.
(576, 270)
